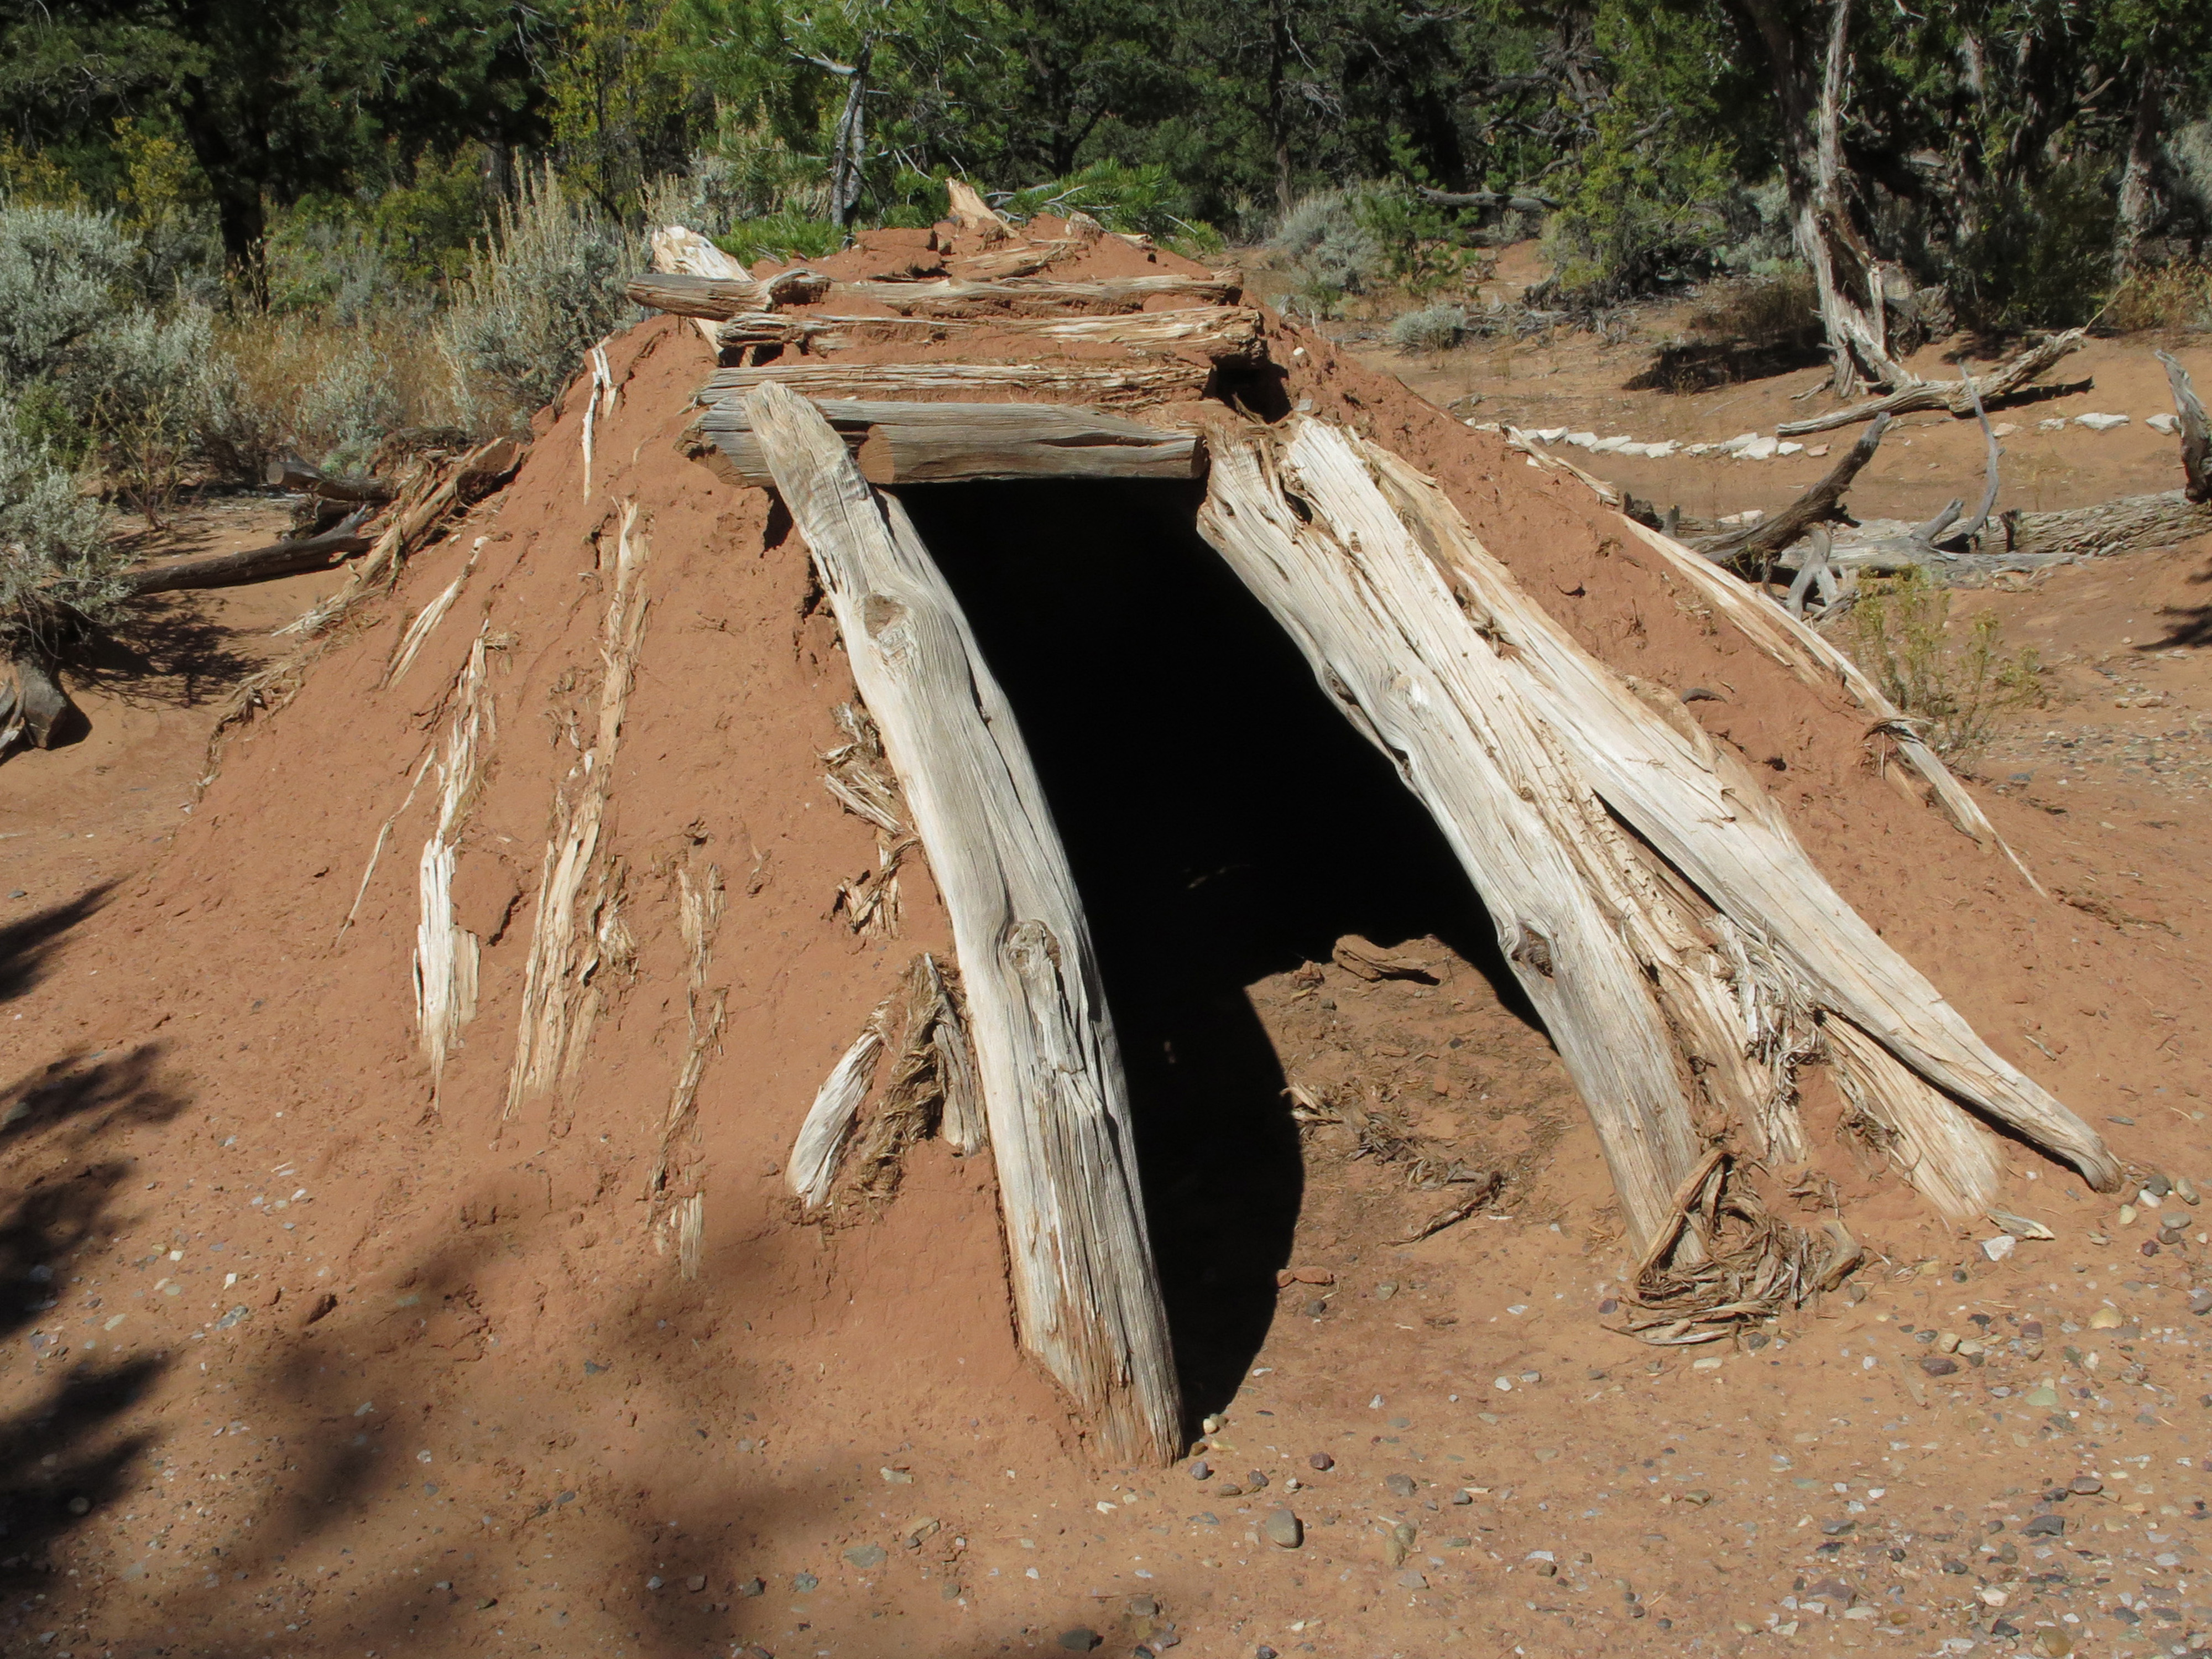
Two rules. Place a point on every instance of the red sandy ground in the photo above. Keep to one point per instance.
(302, 1359)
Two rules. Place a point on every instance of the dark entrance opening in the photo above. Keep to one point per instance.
(1224, 822)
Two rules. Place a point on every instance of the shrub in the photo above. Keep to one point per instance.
(1329, 252)
(62, 274)
(544, 288)
(149, 389)
(328, 392)
(1431, 330)
(785, 237)
(2173, 297)
(1957, 686)
(1143, 200)
(59, 567)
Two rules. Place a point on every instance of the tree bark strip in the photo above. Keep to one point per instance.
(1086, 1291)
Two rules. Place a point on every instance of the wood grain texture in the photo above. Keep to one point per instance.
(1219, 331)
(954, 298)
(1086, 1296)
(1123, 385)
(906, 443)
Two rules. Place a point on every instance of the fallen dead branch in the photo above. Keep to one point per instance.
(1754, 546)
(294, 474)
(1956, 397)
(258, 564)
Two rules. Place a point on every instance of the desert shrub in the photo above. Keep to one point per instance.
(148, 388)
(1431, 330)
(328, 392)
(540, 292)
(1142, 201)
(1371, 239)
(1328, 250)
(59, 567)
(2043, 256)
(1956, 682)
(2172, 297)
(62, 274)
(786, 237)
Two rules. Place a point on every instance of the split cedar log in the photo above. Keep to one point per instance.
(903, 443)
(1393, 570)
(1172, 381)
(721, 298)
(1025, 260)
(971, 213)
(294, 474)
(1957, 397)
(958, 299)
(1086, 1297)
(1789, 642)
(258, 564)
(1219, 331)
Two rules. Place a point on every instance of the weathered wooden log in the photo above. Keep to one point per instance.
(1712, 823)
(1956, 397)
(903, 443)
(255, 564)
(1753, 546)
(2196, 432)
(2131, 524)
(39, 712)
(1519, 201)
(1219, 331)
(979, 300)
(678, 252)
(971, 213)
(719, 298)
(1172, 381)
(1086, 1296)
(294, 474)
(1025, 260)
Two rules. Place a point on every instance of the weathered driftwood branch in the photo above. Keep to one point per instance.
(903, 443)
(294, 474)
(2131, 524)
(2196, 435)
(678, 252)
(1519, 201)
(971, 213)
(1220, 331)
(1956, 397)
(720, 298)
(1172, 381)
(1086, 1297)
(1754, 545)
(1702, 811)
(256, 564)
(967, 299)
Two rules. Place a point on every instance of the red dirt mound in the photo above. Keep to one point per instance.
(315, 1355)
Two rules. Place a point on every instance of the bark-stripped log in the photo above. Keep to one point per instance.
(2195, 431)
(292, 473)
(1219, 331)
(1957, 397)
(950, 298)
(1711, 822)
(1109, 384)
(254, 564)
(1085, 1292)
(903, 443)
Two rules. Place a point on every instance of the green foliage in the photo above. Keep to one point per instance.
(1143, 200)
(2043, 256)
(59, 566)
(1429, 330)
(1369, 239)
(786, 237)
(546, 288)
(1957, 683)
(63, 272)
(147, 387)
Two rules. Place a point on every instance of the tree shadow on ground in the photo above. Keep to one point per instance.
(27, 947)
(1224, 822)
(167, 650)
(2191, 624)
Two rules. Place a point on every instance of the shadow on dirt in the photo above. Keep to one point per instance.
(2191, 624)
(27, 946)
(168, 649)
(1224, 822)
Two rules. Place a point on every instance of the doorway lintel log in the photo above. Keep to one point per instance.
(906, 443)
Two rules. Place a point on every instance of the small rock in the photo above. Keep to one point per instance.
(2052, 1644)
(1081, 1639)
(695, 1582)
(2185, 1190)
(1320, 1461)
(1997, 1249)
(1946, 1342)
(1938, 1364)
(1400, 1486)
(753, 1587)
(1410, 1579)
(2045, 1526)
(1837, 1528)
(1316, 1308)
(1202, 1470)
(1462, 1496)
(2157, 1185)
(2106, 1318)
(2085, 1486)
(803, 1582)
(1143, 1607)
(867, 1555)
(655, 1581)
(1547, 1570)
(1255, 1480)
(1284, 1529)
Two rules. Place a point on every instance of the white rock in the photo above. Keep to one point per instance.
(1698, 449)
(1741, 441)
(2165, 425)
(1749, 515)
(1759, 449)
(1581, 440)
(2050, 426)
(2003, 430)
(1548, 435)
(1610, 446)
(1788, 449)
(1659, 451)
(2100, 422)
(1999, 1247)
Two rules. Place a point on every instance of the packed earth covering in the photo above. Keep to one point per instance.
(311, 1352)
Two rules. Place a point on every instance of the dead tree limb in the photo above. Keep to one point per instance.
(1517, 201)
(1754, 545)
(296, 475)
(2196, 437)
(256, 564)
(1955, 397)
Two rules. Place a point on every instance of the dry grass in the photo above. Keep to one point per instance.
(1955, 683)
(2173, 298)
(327, 392)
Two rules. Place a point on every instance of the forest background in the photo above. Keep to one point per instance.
(231, 230)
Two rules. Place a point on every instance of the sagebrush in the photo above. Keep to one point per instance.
(1956, 682)
(59, 567)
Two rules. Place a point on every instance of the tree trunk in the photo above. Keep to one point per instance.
(1086, 1295)
(846, 157)
(2136, 196)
